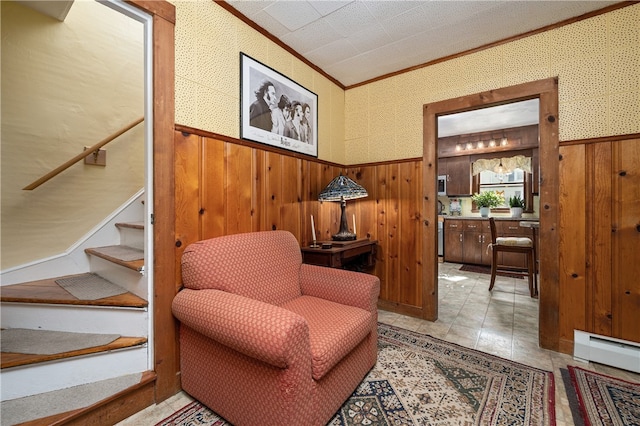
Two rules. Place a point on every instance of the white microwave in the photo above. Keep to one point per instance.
(442, 185)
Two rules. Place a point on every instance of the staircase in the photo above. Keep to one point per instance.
(90, 333)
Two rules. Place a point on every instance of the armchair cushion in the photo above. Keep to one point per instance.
(341, 286)
(334, 330)
(263, 267)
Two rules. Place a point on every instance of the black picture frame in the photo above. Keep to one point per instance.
(263, 118)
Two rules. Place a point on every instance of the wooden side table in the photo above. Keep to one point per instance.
(357, 254)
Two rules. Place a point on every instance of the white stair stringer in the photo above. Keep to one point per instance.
(19, 382)
(75, 260)
(124, 321)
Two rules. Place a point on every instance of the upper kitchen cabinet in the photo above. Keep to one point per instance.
(495, 141)
(456, 155)
(458, 173)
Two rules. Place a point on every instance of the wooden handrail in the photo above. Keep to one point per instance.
(81, 156)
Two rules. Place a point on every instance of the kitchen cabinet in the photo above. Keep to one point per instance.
(466, 241)
(476, 238)
(453, 234)
(458, 172)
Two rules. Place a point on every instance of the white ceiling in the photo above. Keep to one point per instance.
(524, 113)
(358, 40)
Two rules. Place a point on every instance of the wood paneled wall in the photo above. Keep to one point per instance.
(226, 186)
(600, 240)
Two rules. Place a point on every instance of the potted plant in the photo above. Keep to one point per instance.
(487, 200)
(516, 203)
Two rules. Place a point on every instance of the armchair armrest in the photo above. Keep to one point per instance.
(257, 329)
(340, 286)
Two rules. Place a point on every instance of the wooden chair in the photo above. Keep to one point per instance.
(513, 245)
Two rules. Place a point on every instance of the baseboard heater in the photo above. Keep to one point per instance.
(606, 350)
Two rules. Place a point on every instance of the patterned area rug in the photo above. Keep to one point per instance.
(604, 400)
(421, 380)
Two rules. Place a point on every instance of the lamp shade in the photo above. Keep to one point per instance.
(342, 188)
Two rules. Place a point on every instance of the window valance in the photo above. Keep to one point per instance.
(508, 163)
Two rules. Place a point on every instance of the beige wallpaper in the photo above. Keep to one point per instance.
(208, 44)
(596, 60)
(66, 85)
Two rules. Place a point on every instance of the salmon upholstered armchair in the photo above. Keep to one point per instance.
(268, 340)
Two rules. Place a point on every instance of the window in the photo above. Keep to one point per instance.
(509, 176)
(509, 184)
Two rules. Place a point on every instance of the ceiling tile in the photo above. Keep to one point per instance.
(352, 18)
(333, 52)
(310, 37)
(370, 38)
(387, 9)
(293, 14)
(324, 8)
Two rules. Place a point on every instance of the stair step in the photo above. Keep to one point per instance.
(48, 291)
(12, 359)
(131, 225)
(104, 402)
(126, 256)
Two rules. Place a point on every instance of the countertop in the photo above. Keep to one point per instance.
(497, 218)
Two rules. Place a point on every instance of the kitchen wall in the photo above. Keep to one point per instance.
(465, 203)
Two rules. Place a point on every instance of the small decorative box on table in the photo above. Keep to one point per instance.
(356, 254)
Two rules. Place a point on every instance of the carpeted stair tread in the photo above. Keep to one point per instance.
(48, 291)
(49, 342)
(14, 359)
(129, 257)
(90, 286)
(64, 405)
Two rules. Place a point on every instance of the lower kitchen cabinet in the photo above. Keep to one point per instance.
(467, 241)
(453, 234)
(477, 237)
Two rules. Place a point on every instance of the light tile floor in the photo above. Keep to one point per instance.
(503, 322)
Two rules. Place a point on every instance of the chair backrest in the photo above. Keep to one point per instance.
(260, 265)
(494, 233)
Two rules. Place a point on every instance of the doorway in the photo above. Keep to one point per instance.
(547, 93)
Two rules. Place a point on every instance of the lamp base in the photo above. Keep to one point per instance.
(343, 236)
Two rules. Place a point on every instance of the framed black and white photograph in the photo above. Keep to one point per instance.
(275, 110)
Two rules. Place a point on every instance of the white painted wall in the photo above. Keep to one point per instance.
(66, 85)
